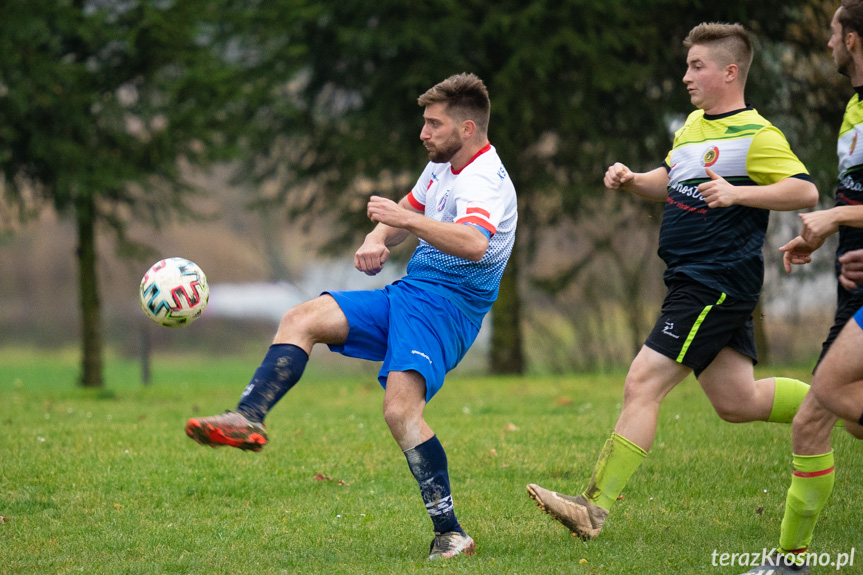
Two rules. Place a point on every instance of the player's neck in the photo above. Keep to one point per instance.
(856, 74)
(725, 105)
(467, 153)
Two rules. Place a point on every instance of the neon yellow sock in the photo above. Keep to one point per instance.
(617, 461)
(811, 486)
(787, 398)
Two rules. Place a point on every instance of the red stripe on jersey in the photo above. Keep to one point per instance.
(415, 203)
(479, 211)
(485, 149)
(814, 473)
(478, 221)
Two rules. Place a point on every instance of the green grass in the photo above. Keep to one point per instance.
(107, 483)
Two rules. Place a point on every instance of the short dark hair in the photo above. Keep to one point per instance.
(732, 39)
(851, 17)
(465, 96)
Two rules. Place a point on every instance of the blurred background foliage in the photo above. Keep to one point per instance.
(248, 134)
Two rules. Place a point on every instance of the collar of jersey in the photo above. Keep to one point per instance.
(485, 149)
(726, 114)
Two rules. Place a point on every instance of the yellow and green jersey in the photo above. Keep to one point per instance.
(721, 247)
(849, 192)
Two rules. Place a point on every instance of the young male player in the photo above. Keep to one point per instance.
(839, 370)
(463, 209)
(727, 168)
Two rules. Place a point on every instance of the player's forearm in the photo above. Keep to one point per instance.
(459, 240)
(652, 185)
(388, 235)
(849, 216)
(784, 196)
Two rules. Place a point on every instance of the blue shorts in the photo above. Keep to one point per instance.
(858, 317)
(408, 329)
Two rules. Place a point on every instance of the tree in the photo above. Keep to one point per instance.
(102, 103)
(575, 85)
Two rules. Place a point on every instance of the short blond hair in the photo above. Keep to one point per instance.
(465, 96)
(732, 40)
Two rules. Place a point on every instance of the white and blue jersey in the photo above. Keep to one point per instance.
(480, 194)
(427, 321)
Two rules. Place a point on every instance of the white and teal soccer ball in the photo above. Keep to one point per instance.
(174, 292)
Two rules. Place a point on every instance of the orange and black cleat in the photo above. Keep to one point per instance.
(230, 428)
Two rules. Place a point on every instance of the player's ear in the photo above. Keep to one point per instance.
(468, 129)
(731, 72)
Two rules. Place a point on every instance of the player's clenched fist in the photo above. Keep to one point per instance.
(385, 211)
(371, 256)
(617, 175)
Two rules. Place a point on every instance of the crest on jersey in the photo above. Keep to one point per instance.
(442, 203)
(853, 143)
(710, 157)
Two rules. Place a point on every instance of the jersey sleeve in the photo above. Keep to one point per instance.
(417, 195)
(770, 158)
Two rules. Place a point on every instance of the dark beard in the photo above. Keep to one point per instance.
(444, 154)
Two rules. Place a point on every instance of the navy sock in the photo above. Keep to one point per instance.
(860, 421)
(281, 369)
(427, 462)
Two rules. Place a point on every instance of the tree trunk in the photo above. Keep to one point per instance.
(91, 331)
(506, 355)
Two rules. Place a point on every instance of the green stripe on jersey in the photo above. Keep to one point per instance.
(743, 128)
(695, 327)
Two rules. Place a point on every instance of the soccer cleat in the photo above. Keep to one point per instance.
(583, 518)
(229, 428)
(779, 564)
(450, 544)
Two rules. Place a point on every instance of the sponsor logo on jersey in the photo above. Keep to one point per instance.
(710, 157)
(684, 190)
(442, 203)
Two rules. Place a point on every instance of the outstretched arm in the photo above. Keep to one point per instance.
(652, 185)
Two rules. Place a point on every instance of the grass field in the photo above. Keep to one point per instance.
(107, 483)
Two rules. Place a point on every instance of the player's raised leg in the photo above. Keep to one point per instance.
(320, 320)
(651, 376)
(730, 385)
(404, 404)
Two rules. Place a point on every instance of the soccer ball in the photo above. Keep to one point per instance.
(174, 292)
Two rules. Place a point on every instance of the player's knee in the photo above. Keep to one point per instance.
(637, 390)
(298, 319)
(395, 415)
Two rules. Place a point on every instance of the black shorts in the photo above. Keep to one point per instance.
(847, 304)
(697, 322)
